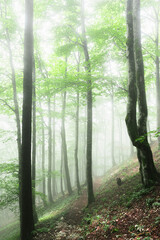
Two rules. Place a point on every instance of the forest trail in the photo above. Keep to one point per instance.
(74, 215)
(123, 213)
(68, 227)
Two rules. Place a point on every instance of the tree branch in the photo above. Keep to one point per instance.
(7, 104)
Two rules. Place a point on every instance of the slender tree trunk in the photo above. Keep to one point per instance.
(54, 152)
(112, 133)
(62, 159)
(136, 91)
(16, 106)
(120, 140)
(76, 144)
(50, 198)
(105, 147)
(84, 162)
(26, 208)
(64, 145)
(34, 145)
(89, 109)
(157, 75)
(43, 160)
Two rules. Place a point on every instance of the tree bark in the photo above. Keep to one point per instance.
(26, 208)
(112, 133)
(43, 161)
(34, 145)
(62, 159)
(50, 198)
(89, 109)
(136, 92)
(157, 75)
(76, 144)
(53, 153)
(64, 145)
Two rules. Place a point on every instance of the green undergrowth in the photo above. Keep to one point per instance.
(48, 217)
(10, 232)
(112, 201)
(54, 212)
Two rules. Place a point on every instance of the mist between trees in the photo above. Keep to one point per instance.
(77, 68)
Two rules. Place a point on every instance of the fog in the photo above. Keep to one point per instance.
(60, 68)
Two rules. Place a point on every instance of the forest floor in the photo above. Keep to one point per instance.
(127, 212)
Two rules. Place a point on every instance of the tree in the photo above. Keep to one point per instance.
(64, 145)
(136, 93)
(156, 10)
(54, 150)
(112, 131)
(13, 78)
(77, 133)
(50, 198)
(34, 144)
(89, 108)
(26, 208)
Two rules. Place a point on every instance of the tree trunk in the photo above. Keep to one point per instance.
(34, 146)
(64, 145)
(89, 109)
(50, 198)
(26, 208)
(16, 106)
(76, 144)
(104, 147)
(121, 141)
(157, 75)
(43, 161)
(136, 91)
(112, 133)
(54, 152)
(62, 159)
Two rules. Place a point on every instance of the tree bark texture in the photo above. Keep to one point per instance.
(89, 108)
(26, 208)
(136, 93)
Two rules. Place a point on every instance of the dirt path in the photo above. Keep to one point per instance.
(74, 215)
(68, 226)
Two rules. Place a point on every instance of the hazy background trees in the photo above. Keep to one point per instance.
(73, 62)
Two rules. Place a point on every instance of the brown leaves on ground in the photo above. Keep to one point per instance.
(111, 217)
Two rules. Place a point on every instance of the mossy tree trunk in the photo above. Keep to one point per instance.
(136, 93)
